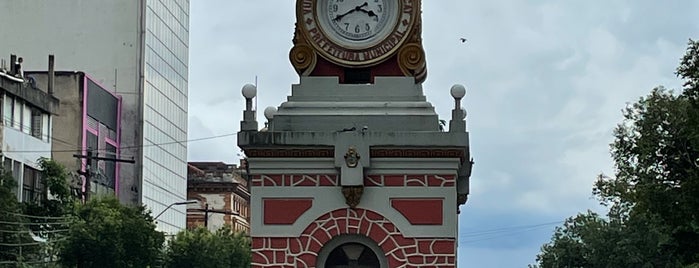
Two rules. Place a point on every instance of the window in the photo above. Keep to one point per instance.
(110, 168)
(45, 126)
(92, 141)
(32, 188)
(7, 165)
(7, 114)
(26, 112)
(16, 114)
(15, 168)
(7, 168)
(36, 123)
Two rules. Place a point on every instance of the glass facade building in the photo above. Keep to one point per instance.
(165, 110)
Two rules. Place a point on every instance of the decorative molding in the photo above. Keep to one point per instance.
(352, 157)
(295, 180)
(410, 180)
(297, 153)
(411, 60)
(353, 195)
(460, 200)
(302, 56)
(331, 180)
(418, 153)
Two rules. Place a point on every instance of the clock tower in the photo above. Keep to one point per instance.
(357, 41)
(355, 168)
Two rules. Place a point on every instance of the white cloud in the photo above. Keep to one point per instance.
(546, 84)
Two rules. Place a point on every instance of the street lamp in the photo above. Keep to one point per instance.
(176, 204)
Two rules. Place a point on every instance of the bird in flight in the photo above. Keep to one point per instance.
(463, 40)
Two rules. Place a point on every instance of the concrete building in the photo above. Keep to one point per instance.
(139, 50)
(88, 119)
(223, 196)
(27, 113)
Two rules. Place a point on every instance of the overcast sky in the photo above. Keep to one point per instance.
(546, 84)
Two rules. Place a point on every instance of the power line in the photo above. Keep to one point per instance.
(502, 232)
(129, 147)
(26, 262)
(23, 127)
(33, 223)
(507, 229)
(30, 231)
(32, 243)
(36, 217)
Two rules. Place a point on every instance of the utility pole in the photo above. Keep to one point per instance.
(206, 211)
(89, 168)
(206, 215)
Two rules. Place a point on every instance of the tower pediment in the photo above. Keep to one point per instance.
(323, 104)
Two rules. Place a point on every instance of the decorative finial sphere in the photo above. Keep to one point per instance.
(249, 91)
(269, 112)
(458, 91)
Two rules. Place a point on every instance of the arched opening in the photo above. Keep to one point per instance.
(351, 251)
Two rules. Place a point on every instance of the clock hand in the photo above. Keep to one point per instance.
(369, 12)
(357, 8)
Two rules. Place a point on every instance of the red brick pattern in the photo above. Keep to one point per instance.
(297, 180)
(400, 251)
(410, 180)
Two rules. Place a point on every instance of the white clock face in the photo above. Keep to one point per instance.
(357, 23)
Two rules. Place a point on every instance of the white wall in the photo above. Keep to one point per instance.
(99, 37)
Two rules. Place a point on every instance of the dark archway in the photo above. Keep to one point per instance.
(351, 251)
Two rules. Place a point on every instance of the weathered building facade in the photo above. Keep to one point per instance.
(222, 195)
(27, 116)
(87, 120)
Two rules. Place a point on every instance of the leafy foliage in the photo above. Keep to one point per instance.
(105, 233)
(689, 70)
(653, 218)
(202, 248)
(54, 176)
(11, 232)
(30, 230)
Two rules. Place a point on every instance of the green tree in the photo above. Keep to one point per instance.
(48, 215)
(13, 233)
(105, 233)
(653, 217)
(201, 248)
(30, 230)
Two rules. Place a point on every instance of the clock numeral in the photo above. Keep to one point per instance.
(335, 8)
(368, 28)
(357, 29)
(346, 26)
(380, 8)
(376, 18)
